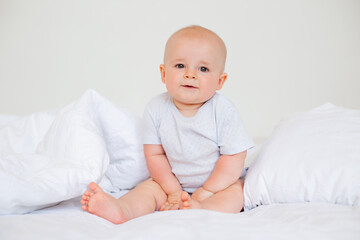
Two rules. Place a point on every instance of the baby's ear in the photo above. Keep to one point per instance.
(162, 72)
(222, 80)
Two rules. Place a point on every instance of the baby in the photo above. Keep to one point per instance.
(194, 141)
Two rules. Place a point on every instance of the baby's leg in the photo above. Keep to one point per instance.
(230, 200)
(145, 198)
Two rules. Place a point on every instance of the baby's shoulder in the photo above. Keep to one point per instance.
(222, 104)
(225, 111)
(159, 103)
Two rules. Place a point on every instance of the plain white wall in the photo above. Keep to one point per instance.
(283, 56)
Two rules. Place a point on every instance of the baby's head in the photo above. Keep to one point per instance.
(194, 63)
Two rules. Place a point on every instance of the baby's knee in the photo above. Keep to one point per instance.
(237, 186)
(151, 185)
(153, 190)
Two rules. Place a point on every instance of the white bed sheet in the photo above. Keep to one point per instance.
(280, 221)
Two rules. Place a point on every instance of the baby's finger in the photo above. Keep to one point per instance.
(174, 207)
(162, 207)
(165, 207)
(168, 207)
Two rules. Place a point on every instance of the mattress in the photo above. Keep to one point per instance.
(277, 221)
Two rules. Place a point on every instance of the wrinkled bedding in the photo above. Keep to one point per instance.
(49, 157)
(278, 221)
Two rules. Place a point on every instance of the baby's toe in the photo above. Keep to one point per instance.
(88, 193)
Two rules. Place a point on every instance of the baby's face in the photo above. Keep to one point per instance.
(193, 68)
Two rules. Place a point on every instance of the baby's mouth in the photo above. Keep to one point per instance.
(188, 86)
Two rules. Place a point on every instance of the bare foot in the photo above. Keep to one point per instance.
(101, 204)
(188, 202)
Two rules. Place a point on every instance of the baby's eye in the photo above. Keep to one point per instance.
(204, 69)
(179, 65)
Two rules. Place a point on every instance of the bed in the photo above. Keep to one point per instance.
(302, 182)
(278, 221)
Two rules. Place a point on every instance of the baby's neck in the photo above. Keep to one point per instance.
(188, 110)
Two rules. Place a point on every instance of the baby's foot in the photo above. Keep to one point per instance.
(188, 202)
(101, 204)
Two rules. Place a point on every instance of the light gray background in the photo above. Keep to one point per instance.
(283, 56)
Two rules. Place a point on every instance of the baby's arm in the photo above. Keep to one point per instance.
(226, 172)
(160, 171)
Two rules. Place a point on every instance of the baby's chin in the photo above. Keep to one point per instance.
(195, 101)
(193, 96)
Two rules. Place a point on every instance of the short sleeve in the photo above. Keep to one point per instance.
(150, 123)
(232, 136)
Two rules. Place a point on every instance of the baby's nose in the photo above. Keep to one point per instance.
(190, 75)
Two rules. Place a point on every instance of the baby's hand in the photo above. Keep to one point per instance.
(201, 194)
(172, 202)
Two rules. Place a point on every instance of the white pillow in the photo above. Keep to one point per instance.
(121, 131)
(311, 157)
(47, 157)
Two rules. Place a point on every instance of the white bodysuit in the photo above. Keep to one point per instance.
(194, 144)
